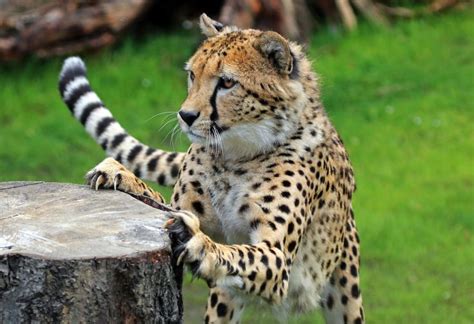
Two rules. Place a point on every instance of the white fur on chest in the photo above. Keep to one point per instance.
(227, 195)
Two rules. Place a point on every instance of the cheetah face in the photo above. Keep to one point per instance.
(244, 96)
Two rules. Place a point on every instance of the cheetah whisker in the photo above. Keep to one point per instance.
(169, 132)
(215, 140)
(167, 113)
(174, 132)
(219, 143)
(166, 123)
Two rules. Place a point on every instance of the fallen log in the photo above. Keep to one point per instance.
(69, 254)
(49, 27)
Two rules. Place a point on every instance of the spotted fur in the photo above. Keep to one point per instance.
(264, 192)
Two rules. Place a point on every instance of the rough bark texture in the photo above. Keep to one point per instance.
(51, 27)
(69, 254)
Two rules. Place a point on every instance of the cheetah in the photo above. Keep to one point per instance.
(262, 197)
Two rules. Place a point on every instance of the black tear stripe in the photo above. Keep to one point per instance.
(214, 115)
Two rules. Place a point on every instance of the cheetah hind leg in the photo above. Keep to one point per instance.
(110, 174)
(342, 300)
(223, 307)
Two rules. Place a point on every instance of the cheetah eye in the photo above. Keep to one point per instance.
(226, 83)
(191, 75)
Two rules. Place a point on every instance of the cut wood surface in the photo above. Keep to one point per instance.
(70, 254)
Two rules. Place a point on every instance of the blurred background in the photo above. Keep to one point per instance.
(397, 80)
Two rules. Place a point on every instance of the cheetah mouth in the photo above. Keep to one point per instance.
(218, 129)
(194, 137)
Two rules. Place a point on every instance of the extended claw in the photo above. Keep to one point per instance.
(98, 182)
(181, 257)
(168, 223)
(92, 179)
(117, 180)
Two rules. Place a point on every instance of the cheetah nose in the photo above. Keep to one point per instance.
(189, 116)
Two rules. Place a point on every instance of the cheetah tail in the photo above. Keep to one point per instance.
(146, 162)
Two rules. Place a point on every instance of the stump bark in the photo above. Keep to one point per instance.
(69, 254)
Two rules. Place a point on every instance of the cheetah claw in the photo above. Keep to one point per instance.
(98, 182)
(189, 220)
(182, 227)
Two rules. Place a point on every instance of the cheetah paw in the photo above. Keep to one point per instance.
(110, 174)
(190, 245)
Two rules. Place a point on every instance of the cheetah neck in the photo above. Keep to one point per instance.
(244, 142)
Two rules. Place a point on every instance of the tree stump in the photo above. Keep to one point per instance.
(69, 254)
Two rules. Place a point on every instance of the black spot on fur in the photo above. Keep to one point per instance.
(285, 194)
(284, 209)
(269, 274)
(244, 208)
(161, 179)
(343, 281)
(355, 292)
(174, 170)
(279, 219)
(221, 310)
(198, 207)
(344, 299)
(268, 198)
(213, 300)
(353, 271)
(171, 157)
(291, 227)
(152, 164)
(150, 151)
(330, 302)
(137, 172)
(292, 246)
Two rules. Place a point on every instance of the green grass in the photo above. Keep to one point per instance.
(402, 99)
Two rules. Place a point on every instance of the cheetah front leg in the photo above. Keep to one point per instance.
(110, 174)
(260, 269)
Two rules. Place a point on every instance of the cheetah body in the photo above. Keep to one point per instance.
(264, 192)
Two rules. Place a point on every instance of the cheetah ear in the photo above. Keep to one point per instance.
(276, 49)
(208, 26)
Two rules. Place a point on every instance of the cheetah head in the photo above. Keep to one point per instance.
(244, 91)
